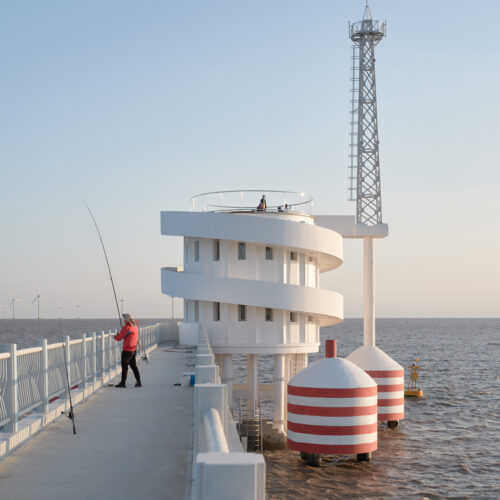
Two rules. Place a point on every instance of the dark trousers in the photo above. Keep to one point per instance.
(128, 358)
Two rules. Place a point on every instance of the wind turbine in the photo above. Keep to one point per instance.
(13, 306)
(37, 299)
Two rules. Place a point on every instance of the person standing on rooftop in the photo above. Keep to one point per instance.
(130, 336)
(262, 205)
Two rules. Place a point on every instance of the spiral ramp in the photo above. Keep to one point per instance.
(269, 265)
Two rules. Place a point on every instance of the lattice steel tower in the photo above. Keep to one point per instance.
(364, 156)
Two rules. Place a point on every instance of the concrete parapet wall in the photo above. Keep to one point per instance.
(168, 331)
(221, 470)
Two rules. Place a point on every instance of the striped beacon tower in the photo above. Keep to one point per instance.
(366, 191)
(332, 409)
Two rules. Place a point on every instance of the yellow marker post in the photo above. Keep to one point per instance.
(412, 390)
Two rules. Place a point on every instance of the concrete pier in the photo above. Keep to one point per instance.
(130, 443)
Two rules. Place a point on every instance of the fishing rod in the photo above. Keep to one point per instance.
(71, 413)
(144, 355)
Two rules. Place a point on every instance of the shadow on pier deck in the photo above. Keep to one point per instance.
(131, 443)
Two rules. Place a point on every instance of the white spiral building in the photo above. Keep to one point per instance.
(251, 281)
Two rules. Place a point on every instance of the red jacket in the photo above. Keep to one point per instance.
(130, 336)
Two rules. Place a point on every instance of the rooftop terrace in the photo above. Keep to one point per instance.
(248, 201)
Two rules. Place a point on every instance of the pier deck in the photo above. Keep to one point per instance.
(131, 443)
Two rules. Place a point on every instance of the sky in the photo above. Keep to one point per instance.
(137, 106)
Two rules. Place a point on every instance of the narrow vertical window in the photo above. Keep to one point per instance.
(196, 311)
(242, 253)
(269, 253)
(293, 255)
(242, 313)
(216, 311)
(269, 314)
(197, 251)
(216, 250)
(293, 317)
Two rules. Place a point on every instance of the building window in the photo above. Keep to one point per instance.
(269, 314)
(242, 251)
(310, 259)
(269, 253)
(216, 311)
(293, 317)
(197, 251)
(196, 311)
(293, 255)
(310, 319)
(242, 313)
(216, 250)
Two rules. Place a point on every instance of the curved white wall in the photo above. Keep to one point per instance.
(276, 279)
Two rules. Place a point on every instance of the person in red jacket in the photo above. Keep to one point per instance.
(130, 336)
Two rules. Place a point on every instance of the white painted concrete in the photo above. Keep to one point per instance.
(220, 475)
(368, 291)
(324, 244)
(279, 392)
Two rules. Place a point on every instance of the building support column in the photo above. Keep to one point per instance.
(253, 382)
(302, 361)
(227, 376)
(368, 291)
(279, 392)
(218, 360)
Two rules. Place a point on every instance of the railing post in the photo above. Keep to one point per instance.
(67, 347)
(93, 358)
(102, 354)
(10, 396)
(43, 386)
(83, 367)
(108, 350)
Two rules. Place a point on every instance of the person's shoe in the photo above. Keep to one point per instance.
(138, 384)
(121, 384)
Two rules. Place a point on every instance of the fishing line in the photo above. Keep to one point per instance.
(71, 414)
(144, 355)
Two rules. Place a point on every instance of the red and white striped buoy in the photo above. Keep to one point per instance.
(332, 408)
(390, 378)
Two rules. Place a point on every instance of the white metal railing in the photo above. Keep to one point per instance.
(30, 379)
(248, 200)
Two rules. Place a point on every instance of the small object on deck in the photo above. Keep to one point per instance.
(412, 390)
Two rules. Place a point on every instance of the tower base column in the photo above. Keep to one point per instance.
(279, 392)
(227, 376)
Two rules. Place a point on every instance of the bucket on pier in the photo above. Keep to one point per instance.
(187, 379)
(332, 409)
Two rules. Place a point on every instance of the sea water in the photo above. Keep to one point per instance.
(448, 444)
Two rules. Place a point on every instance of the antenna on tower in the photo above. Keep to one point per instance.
(364, 151)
